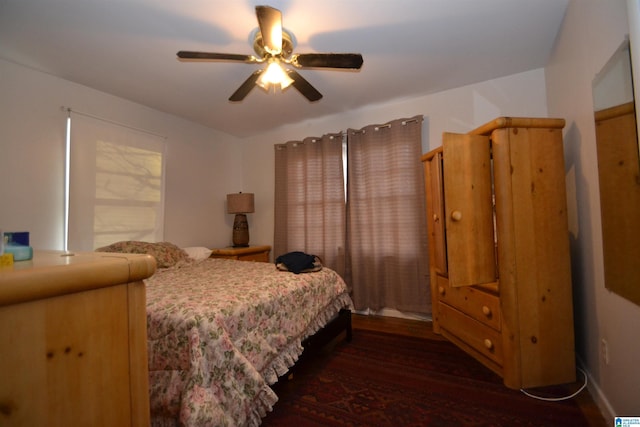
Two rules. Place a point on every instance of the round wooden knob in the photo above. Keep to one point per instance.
(435, 218)
(488, 343)
(441, 290)
(486, 311)
(456, 215)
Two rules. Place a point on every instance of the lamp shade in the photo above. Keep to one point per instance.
(239, 203)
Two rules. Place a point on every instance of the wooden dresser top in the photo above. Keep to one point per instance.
(53, 273)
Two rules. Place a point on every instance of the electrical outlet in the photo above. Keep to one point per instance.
(605, 351)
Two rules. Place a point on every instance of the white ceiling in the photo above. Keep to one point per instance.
(410, 47)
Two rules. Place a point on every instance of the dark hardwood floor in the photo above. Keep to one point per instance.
(395, 325)
(423, 329)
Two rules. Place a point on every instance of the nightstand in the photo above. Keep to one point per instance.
(249, 253)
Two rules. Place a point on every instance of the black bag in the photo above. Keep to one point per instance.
(298, 262)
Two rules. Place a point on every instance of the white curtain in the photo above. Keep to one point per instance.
(116, 184)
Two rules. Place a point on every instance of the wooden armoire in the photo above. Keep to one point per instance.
(499, 249)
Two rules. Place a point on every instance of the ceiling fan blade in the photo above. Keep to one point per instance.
(328, 60)
(303, 86)
(245, 87)
(270, 22)
(208, 56)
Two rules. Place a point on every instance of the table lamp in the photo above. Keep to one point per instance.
(240, 204)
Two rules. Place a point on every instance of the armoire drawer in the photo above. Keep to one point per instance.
(483, 339)
(477, 303)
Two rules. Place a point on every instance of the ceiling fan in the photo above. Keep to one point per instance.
(274, 46)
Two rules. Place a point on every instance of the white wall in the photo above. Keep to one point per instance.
(591, 32)
(203, 165)
(457, 110)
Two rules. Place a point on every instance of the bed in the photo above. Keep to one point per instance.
(220, 332)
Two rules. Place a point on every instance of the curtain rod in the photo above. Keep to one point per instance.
(311, 140)
(69, 110)
(404, 122)
(388, 125)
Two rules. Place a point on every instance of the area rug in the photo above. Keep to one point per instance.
(381, 379)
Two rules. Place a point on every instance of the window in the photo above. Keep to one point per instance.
(374, 234)
(116, 184)
(310, 199)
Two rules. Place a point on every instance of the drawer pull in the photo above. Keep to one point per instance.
(488, 344)
(441, 290)
(456, 215)
(436, 218)
(486, 311)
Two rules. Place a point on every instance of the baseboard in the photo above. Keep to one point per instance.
(390, 312)
(596, 393)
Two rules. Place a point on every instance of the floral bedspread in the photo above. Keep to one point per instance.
(221, 331)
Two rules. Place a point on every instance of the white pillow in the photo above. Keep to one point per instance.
(198, 252)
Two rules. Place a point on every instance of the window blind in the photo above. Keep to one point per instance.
(116, 184)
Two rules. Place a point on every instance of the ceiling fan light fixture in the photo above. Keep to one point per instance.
(274, 47)
(274, 75)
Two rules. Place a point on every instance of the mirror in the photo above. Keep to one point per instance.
(619, 174)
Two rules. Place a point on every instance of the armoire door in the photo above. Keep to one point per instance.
(469, 209)
(435, 214)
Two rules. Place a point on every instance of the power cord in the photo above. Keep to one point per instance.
(557, 399)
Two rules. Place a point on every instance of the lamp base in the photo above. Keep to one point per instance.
(240, 231)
